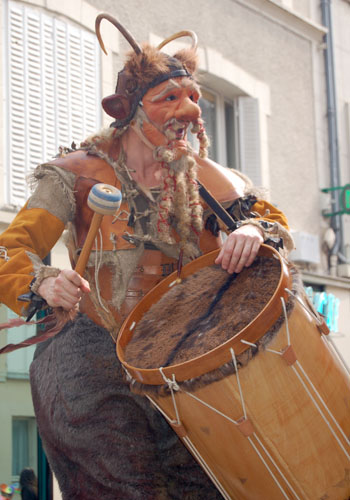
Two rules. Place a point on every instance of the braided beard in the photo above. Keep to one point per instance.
(179, 200)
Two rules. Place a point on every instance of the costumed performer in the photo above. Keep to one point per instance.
(100, 439)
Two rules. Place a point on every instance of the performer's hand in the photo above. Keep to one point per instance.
(240, 248)
(65, 290)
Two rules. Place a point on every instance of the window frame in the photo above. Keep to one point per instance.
(31, 458)
(220, 123)
(246, 134)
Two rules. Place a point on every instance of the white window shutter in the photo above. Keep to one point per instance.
(33, 89)
(49, 94)
(76, 106)
(62, 89)
(91, 89)
(53, 91)
(249, 138)
(16, 117)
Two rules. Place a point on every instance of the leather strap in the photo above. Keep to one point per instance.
(217, 208)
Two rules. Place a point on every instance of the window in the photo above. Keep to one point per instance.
(234, 133)
(209, 108)
(231, 153)
(53, 94)
(24, 444)
(18, 362)
(248, 137)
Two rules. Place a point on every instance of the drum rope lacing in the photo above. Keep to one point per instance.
(205, 466)
(257, 438)
(313, 313)
(316, 392)
(174, 387)
(269, 469)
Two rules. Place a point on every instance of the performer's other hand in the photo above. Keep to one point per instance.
(240, 248)
(65, 290)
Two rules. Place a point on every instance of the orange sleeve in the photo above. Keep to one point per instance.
(270, 213)
(33, 230)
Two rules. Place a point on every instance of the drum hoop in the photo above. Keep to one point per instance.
(221, 354)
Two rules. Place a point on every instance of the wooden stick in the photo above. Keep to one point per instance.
(86, 250)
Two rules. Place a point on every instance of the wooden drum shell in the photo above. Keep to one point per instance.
(295, 441)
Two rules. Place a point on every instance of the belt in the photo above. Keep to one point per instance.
(162, 270)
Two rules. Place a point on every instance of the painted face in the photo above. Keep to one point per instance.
(170, 107)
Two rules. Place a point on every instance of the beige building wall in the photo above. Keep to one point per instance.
(271, 50)
(274, 46)
(341, 42)
(341, 19)
(15, 400)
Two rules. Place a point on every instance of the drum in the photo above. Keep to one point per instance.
(264, 409)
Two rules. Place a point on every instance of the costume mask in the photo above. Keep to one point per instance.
(167, 111)
(157, 96)
(145, 67)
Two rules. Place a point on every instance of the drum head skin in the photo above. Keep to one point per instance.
(194, 330)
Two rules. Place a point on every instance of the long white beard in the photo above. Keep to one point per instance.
(179, 203)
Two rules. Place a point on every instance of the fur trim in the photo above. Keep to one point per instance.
(276, 230)
(42, 273)
(102, 139)
(151, 63)
(188, 59)
(48, 180)
(145, 67)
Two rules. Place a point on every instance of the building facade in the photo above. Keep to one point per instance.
(275, 100)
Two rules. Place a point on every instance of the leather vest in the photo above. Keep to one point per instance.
(152, 266)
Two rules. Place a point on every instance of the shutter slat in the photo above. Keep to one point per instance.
(53, 91)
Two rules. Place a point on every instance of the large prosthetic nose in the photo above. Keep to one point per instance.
(188, 111)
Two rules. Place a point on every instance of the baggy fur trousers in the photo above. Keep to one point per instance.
(101, 440)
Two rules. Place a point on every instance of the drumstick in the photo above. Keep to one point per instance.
(103, 199)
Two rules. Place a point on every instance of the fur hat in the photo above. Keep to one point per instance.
(145, 67)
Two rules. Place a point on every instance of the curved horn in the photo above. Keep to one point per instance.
(127, 35)
(180, 34)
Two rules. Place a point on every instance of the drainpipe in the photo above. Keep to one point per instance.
(336, 220)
